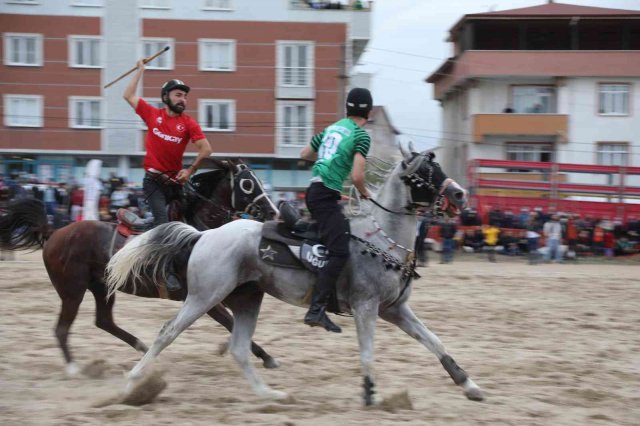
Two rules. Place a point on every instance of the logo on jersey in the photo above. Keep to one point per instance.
(159, 120)
(180, 127)
(168, 138)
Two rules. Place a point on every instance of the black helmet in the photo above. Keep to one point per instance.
(359, 102)
(172, 85)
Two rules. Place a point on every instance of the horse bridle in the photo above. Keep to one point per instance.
(412, 179)
(247, 186)
(236, 182)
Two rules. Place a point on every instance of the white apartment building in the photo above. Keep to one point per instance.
(551, 83)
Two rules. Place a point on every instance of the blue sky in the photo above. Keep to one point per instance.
(408, 43)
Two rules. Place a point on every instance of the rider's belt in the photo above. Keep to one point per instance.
(158, 177)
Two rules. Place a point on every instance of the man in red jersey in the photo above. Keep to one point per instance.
(170, 130)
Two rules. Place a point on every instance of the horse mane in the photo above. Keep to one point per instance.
(205, 183)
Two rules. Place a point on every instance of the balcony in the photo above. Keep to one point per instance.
(356, 13)
(520, 125)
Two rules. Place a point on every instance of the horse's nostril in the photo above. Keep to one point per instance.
(459, 195)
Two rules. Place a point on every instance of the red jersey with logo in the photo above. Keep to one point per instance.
(167, 137)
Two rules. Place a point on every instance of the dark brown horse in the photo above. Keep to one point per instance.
(76, 255)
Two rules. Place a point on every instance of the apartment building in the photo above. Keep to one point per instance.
(264, 75)
(553, 83)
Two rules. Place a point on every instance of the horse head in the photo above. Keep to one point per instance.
(248, 194)
(430, 186)
(228, 188)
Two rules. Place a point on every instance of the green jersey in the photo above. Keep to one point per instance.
(336, 146)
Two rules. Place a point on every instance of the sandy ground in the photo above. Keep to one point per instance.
(550, 345)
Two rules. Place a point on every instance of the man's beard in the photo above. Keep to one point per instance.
(177, 108)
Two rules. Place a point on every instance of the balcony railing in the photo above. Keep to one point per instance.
(363, 5)
(520, 124)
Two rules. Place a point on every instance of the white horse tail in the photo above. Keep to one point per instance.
(149, 256)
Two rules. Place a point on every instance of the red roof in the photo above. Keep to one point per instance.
(550, 10)
(559, 9)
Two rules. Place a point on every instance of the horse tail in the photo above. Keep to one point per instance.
(149, 256)
(24, 225)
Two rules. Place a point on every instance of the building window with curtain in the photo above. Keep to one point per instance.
(612, 153)
(613, 99)
(84, 52)
(85, 112)
(533, 99)
(21, 49)
(153, 45)
(23, 111)
(295, 123)
(216, 55)
(217, 115)
(295, 64)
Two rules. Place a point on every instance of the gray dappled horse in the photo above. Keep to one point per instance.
(226, 264)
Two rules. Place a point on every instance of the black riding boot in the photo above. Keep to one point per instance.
(317, 316)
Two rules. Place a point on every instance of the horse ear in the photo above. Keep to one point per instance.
(406, 150)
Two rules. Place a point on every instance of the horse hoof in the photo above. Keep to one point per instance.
(72, 369)
(275, 394)
(223, 348)
(270, 363)
(474, 394)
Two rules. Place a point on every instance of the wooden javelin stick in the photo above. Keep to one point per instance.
(145, 60)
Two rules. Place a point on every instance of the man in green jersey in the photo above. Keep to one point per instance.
(338, 150)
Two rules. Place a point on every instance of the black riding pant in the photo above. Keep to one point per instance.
(158, 196)
(333, 226)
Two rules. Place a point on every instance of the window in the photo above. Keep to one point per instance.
(295, 121)
(542, 152)
(534, 99)
(85, 112)
(217, 55)
(216, 4)
(88, 3)
(614, 99)
(154, 4)
(151, 46)
(295, 64)
(23, 110)
(84, 52)
(217, 115)
(23, 49)
(613, 153)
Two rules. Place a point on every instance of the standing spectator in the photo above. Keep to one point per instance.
(571, 233)
(532, 239)
(598, 239)
(609, 244)
(447, 233)
(49, 198)
(76, 201)
(552, 231)
(491, 233)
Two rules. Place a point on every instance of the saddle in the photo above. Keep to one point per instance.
(292, 242)
(130, 223)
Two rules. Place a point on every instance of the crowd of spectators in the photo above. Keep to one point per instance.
(64, 201)
(575, 235)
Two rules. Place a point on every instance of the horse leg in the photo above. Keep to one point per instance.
(402, 316)
(104, 318)
(365, 315)
(192, 309)
(222, 316)
(68, 313)
(245, 305)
